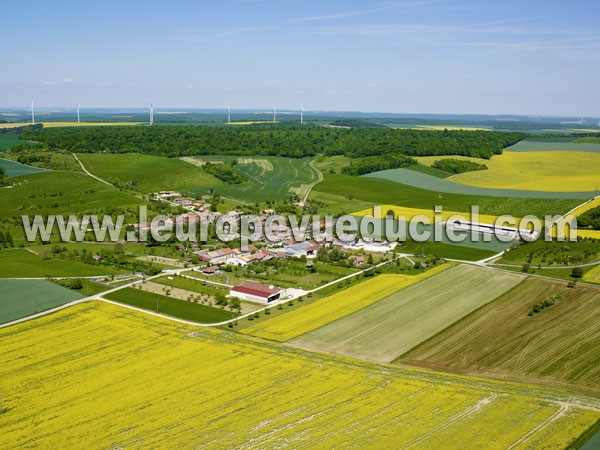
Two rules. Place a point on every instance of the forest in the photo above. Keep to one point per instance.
(294, 142)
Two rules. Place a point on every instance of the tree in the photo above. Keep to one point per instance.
(577, 273)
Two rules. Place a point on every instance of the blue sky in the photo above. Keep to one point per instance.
(522, 57)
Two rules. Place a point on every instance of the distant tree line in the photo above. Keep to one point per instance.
(457, 165)
(175, 141)
(372, 164)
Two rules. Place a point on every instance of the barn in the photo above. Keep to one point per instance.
(256, 292)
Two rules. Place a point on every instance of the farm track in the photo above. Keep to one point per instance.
(558, 414)
(90, 174)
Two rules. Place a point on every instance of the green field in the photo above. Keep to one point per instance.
(369, 190)
(60, 193)
(21, 298)
(170, 307)
(558, 344)
(269, 178)
(424, 181)
(20, 263)
(541, 253)
(146, 173)
(579, 145)
(8, 140)
(15, 169)
(392, 326)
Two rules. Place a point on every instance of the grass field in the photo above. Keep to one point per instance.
(546, 145)
(60, 193)
(15, 169)
(558, 344)
(542, 171)
(351, 190)
(448, 186)
(9, 140)
(303, 320)
(385, 330)
(150, 173)
(269, 178)
(171, 307)
(153, 384)
(21, 298)
(19, 263)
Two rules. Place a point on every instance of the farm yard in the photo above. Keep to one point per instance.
(275, 396)
(146, 173)
(22, 298)
(329, 309)
(269, 178)
(392, 326)
(556, 345)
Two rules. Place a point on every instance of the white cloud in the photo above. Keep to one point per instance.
(68, 80)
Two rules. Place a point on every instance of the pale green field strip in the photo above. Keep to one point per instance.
(538, 146)
(424, 181)
(15, 169)
(391, 327)
(21, 298)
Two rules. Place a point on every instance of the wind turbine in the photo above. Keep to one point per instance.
(581, 122)
(274, 115)
(228, 114)
(77, 105)
(32, 115)
(301, 114)
(151, 115)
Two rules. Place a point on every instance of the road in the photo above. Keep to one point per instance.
(313, 184)
(90, 174)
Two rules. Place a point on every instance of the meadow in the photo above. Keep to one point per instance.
(392, 326)
(308, 318)
(270, 178)
(228, 391)
(60, 193)
(547, 145)
(592, 276)
(8, 140)
(558, 345)
(449, 186)
(180, 309)
(20, 263)
(542, 171)
(21, 298)
(146, 173)
(359, 191)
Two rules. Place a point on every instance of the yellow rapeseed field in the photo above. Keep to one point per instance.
(584, 208)
(592, 276)
(536, 171)
(308, 318)
(411, 212)
(99, 376)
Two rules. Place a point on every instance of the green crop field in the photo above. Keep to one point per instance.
(148, 173)
(379, 191)
(20, 263)
(171, 307)
(424, 181)
(15, 169)
(547, 145)
(60, 193)
(269, 178)
(558, 344)
(21, 298)
(10, 140)
(392, 326)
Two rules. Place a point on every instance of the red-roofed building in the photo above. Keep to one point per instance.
(256, 292)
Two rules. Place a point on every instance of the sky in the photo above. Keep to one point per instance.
(408, 56)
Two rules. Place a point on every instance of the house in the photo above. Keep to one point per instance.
(306, 248)
(220, 256)
(210, 270)
(357, 259)
(184, 201)
(256, 292)
(97, 257)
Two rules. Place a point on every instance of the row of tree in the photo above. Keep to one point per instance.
(457, 165)
(177, 141)
(372, 164)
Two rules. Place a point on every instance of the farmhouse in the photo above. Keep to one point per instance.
(256, 292)
(306, 248)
